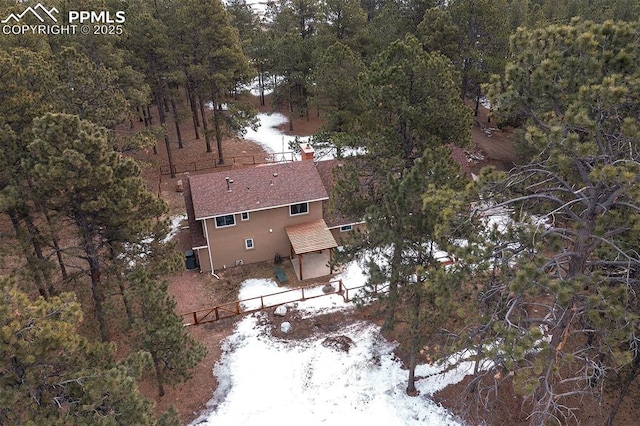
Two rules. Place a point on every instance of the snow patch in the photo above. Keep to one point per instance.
(270, 137)
(266, 380)
(174, 227)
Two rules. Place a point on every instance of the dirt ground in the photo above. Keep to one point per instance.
(194, 291)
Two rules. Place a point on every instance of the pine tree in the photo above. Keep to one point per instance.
(474, 35)
(416, 107)
(338, 97)
(414, 227)
(149, 52)
(160, 332)
(53, 375)
(342, 21)
(568, 294)
(417, 114)
(294, 33)
(25, 95)
(88, 90)
(216, 65)
(77, 174)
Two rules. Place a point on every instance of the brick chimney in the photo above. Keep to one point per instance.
(306, 151)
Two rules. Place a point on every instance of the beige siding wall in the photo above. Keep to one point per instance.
(345, 235)
(202, 256)
(265, 227)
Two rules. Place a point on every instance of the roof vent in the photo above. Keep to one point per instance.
(275, 174)
(229, 182)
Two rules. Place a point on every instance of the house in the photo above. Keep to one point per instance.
(253, 214)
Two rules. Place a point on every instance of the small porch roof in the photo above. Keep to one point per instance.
(310, 236)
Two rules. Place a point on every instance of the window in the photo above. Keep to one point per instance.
(248, 243)
(302, 208)
(346, 228)
(244, 215)
(228, 220)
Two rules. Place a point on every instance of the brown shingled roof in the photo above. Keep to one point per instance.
(310, 236)
(256, 188)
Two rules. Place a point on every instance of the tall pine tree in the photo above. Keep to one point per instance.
(160, 332)
(569, 295)
(53, 375)
(77, 174)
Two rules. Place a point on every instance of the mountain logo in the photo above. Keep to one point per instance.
(39, 11)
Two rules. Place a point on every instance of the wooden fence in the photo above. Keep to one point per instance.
(259, 303)
(237, 160)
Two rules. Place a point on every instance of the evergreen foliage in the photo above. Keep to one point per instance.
(76, 173)
(294, 48)
(569, 294)
(474, 35)
(405, 138)
(556, 283)
(212, 55)
(53, 375)
(160, 331)
(414, 228)
(417, 109)
(338, 97)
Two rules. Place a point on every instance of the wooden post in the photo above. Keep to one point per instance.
(195, 318)
(300, 266)
(302, 288)
(261, 302)
(330, 260)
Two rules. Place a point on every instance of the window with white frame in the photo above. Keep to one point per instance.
(226, 220)
(248, 243)
(244, 215)
(296, 209)
(346, 228)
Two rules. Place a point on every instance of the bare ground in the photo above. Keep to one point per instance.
(194, 291)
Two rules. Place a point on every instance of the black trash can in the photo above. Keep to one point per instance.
(190, 259)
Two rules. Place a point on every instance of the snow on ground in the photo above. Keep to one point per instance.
(174, 227)
(255, 293)
(272, 139)
(267, 380)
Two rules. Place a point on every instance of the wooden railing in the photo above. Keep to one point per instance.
(259, 303)
(213, 163)
(372, 292)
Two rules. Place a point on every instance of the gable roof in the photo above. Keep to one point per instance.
(256, 188)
